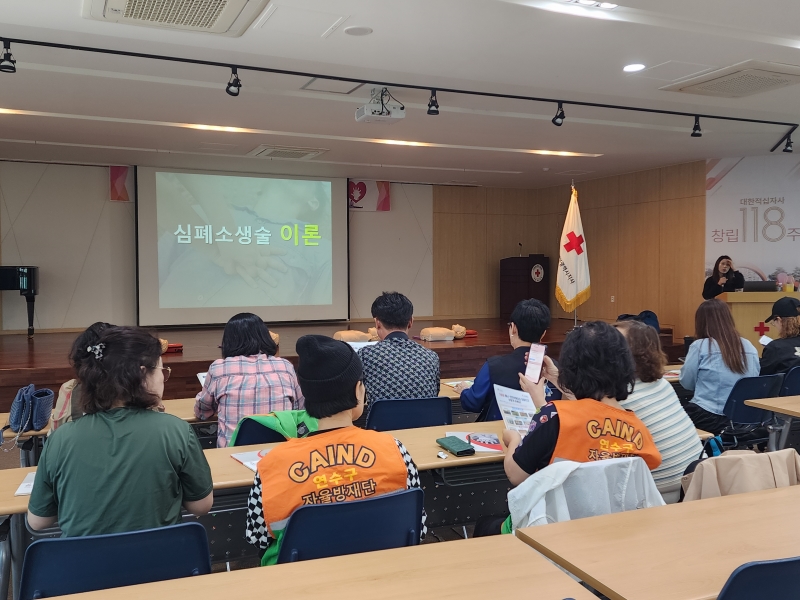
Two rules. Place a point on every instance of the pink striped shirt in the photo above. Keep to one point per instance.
(241, 386)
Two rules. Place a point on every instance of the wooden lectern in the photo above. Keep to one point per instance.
(750, 309)
(523, 277)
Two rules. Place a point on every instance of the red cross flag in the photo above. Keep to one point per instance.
(572, 284)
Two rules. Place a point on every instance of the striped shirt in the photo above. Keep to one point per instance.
(674, 434)
(241, 386)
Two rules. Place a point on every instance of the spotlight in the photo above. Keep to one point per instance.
(788, 146)
(433, 104)
(558, 120)
(696, 131)
(235, 84)
(7, 63)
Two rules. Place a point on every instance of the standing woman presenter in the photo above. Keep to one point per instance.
(724, 278)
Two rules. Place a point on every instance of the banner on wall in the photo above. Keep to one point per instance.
(753, 215)
(368, 195)
(120, 184)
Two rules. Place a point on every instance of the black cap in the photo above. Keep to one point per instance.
(326, 368)
(785, 307)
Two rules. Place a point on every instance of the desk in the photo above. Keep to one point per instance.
(449, 392)
(674, 552)
(494, 567)
(671, 369)
(789, 407)
(478, 492)
(183, 409)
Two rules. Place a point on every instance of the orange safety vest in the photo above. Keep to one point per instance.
(590, 430)
(335, 466)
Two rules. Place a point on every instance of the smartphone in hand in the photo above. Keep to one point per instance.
(533, 370)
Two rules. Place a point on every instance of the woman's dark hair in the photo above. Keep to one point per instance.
(648, 357)
(246, 334)
(78, 354)
(715, 274)
(714, 321)
(114, 371)
(596, 362)
(532, 319)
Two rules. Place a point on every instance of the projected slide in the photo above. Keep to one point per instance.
(229, 241)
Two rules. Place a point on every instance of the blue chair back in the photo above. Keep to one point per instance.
(380, 523)
(763, 579)
(791, 383)
(751, 388)
(59, 566)
(252, 432)
(388, 415)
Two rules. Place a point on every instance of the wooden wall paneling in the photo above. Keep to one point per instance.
(639, 259)
(682, 259)
(459, 200)
(504, 233)
(683, 181)
(554, 200)
(504, 201)
(601, 228)
(598, 193)
(643, 186)
(460, 270)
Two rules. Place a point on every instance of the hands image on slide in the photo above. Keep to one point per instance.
(230, 241)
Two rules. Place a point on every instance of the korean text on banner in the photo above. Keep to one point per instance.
(369, 195)
(572, 284)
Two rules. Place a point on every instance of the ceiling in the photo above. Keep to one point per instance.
(77, 107)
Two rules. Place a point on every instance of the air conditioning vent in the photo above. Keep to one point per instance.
(223, 17)
(740, 80)
(286, 152)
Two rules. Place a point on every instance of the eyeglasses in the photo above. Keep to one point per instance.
(167, 372)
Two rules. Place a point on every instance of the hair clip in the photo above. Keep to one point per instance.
(97, 350)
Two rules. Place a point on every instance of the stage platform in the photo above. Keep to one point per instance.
(43, 360)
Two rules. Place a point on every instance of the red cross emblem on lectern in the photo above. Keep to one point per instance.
(575, 243)
(761, 329)
(537, 273)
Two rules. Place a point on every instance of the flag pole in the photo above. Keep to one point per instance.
(574, 312)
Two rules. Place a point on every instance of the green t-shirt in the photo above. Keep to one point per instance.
(121, 470)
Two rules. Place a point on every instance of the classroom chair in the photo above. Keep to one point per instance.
(388, 415)
(763, 579)
(745, 420)
(252, 432)
(56, 567)
(791, 383)
(379, 523)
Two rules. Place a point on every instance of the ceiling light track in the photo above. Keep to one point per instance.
(195, 61)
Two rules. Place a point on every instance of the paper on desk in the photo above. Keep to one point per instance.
(516, 407)
(202, 378)
(482, 442)
(359, 345)
(764, 340)
(26, 487)
(250, 459)
(468, 383)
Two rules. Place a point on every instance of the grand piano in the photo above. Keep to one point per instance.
(26, 280)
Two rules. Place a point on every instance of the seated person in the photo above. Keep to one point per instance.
(716, 360)
(655, 402)
(397, 367)
(597, 367)
(68, 405)
(781, 355)
(248, 380)
(529, 323)
(289, 476)
(122, 466)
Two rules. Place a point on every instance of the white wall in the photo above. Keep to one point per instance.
(392, 251)
(59, 218)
